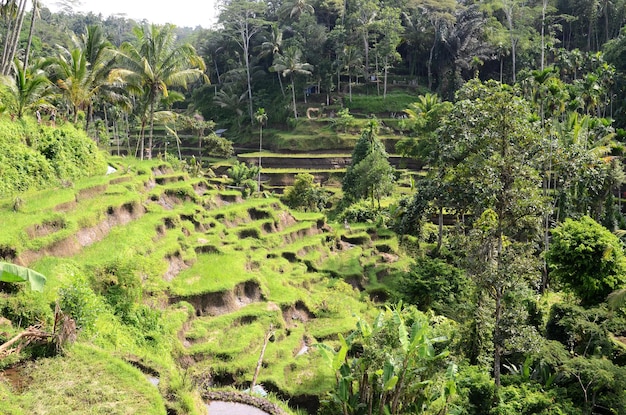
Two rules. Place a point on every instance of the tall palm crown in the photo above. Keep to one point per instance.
(81, 72)
(290, 63)
(27, 89)
(153, 63)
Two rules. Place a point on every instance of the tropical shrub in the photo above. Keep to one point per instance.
(587, 259)
(305, 194)
(34, 157)
(80, 302)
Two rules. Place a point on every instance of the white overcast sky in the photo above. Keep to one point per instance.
(190, 13)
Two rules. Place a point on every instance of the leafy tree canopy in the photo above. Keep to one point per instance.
(587, 259)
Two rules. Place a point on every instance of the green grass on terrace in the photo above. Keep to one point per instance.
(212, 273)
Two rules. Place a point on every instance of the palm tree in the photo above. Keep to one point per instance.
(34, 14)
(12, 12)
(154, 63)
(81, 72)
(27, 89)
(260, 116)
(289, 64)
(295, 8)
(271, 47)
(350, 60)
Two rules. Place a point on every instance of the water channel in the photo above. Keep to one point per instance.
(232, 408)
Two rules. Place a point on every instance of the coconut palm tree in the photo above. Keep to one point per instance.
(28, 89)
(154, 63)
(350, 59)
(12, 12)
(272, 47)
(261, 117)
(295, 8)
(290, 64)
(81, 71)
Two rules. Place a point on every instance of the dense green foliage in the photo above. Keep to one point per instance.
(43, 157)
(172, 271)
(587, 259)
(305, 194)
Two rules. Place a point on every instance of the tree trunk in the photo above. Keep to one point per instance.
(268, 335)
(385, 84)
(497, 343)
(366, 48)
(350, 86)
(293, 97)
(30, 34)
(440, 233)
(248, 77)
(151, 132)
(430, 64)
(12, 39)
(260, 151)
(543, 32)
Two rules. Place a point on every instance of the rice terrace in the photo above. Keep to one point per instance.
(314, 208)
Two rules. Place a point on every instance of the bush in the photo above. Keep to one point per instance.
(34, 157)
(362, 212)
(306, 194)
(437, 285)
(80, 302)
(344, 121)
(26, 308)
(119, 283)
(587, 259)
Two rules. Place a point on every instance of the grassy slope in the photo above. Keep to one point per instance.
(255, 240)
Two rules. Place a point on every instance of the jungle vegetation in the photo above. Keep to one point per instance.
(489, 281)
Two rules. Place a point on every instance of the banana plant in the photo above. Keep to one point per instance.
(15, 273)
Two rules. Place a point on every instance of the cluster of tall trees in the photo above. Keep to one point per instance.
(89, 74)
(259, 48)
(530, 175)
(272, 55)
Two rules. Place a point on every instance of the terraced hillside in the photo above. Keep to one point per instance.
(212, 275)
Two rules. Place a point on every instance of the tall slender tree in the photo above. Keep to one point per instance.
(12, 12)
(290, 64)
(243, 20)
(81, 71)
(261, 117)
(152, 64)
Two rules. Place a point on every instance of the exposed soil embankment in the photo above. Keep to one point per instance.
(71, 245)
(222, 302)
(296, 313)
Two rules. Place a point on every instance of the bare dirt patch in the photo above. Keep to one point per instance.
(116, 216)
(64, 248)
(91, 192)
(200, 189)
(222, 302)
(228, 199)
(296, 313)
(166, 201)
(15, 377)
(84, 237)
(66, 207)
(45, 228)
(119, 180)
(285, 219)
(294, 236)
(175, 266)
